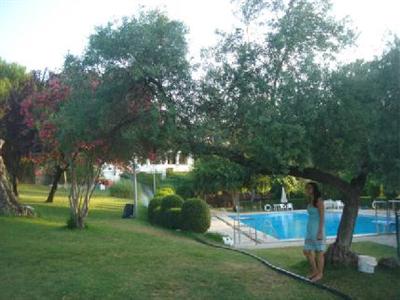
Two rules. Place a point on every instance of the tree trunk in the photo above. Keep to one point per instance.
(253, 195)
(79, 222)
(81, 191)
(12, 164)
(339, 252)
(56, 179)
(14, 183)
(9, 204)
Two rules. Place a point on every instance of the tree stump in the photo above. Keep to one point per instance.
(9, 204)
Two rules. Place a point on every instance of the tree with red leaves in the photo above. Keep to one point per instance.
(38, 109)
(114, 104)
(93, 126)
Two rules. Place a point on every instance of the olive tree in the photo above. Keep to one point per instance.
(273, 101)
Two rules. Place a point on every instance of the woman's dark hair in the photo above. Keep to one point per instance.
(316, 193)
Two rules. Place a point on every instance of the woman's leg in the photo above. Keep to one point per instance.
(320, 258)
(311, 259)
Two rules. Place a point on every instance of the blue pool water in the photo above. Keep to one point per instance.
(292, 225)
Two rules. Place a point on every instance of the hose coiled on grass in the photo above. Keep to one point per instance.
(277, 269)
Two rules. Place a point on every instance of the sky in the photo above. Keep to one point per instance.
(39, 33)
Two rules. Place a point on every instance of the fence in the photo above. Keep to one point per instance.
(398, 232)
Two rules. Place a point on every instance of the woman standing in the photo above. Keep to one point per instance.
(314, 246)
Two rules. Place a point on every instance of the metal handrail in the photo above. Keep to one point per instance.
(385, 206)
(268, 222)
(397, 233)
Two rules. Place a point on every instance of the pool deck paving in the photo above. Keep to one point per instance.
(249, 238)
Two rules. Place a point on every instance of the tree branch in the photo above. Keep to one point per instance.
(321, 176)
(306, 173)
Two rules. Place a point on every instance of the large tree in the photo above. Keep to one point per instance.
(213, 174)
(9, 204)
(120, 102)
(14, 83)
(270, 102)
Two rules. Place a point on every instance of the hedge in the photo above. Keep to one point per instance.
(171, 201)
(165, 191)
(171, 218)
(157, 216)
(122, 189)
(154, 204)
(182, 183)
(195, 215)
(165, 211)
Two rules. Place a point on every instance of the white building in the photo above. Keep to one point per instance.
(111, 172)
(179, 164)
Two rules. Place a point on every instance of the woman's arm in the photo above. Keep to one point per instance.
(320, 206)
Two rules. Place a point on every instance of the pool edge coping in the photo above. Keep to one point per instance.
(225, 216)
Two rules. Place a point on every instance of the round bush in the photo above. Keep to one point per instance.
(165, 191)
(195, 216)
(157, 216)
(153, 205)
(171, 218)
(171, 201)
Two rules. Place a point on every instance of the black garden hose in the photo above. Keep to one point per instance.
(278, 269)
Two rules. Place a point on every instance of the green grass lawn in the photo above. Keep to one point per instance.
(129, 259)
(384, 284)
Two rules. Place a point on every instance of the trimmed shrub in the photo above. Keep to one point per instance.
(157, 216)
(171, 201)
(166, 211)
(195, 215)
(165, 191)
(171, 218)
(169, 209)
(122, 189)
(153, 205)
(181, 182)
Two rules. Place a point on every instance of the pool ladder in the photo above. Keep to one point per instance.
(382, 226)
(251, 231)
(242, 228)
(268, 224)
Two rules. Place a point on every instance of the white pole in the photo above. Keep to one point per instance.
(237, 203)
(154, 180)
(65, 180)
(135, 191)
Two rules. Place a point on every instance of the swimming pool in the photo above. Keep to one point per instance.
(292, 225)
